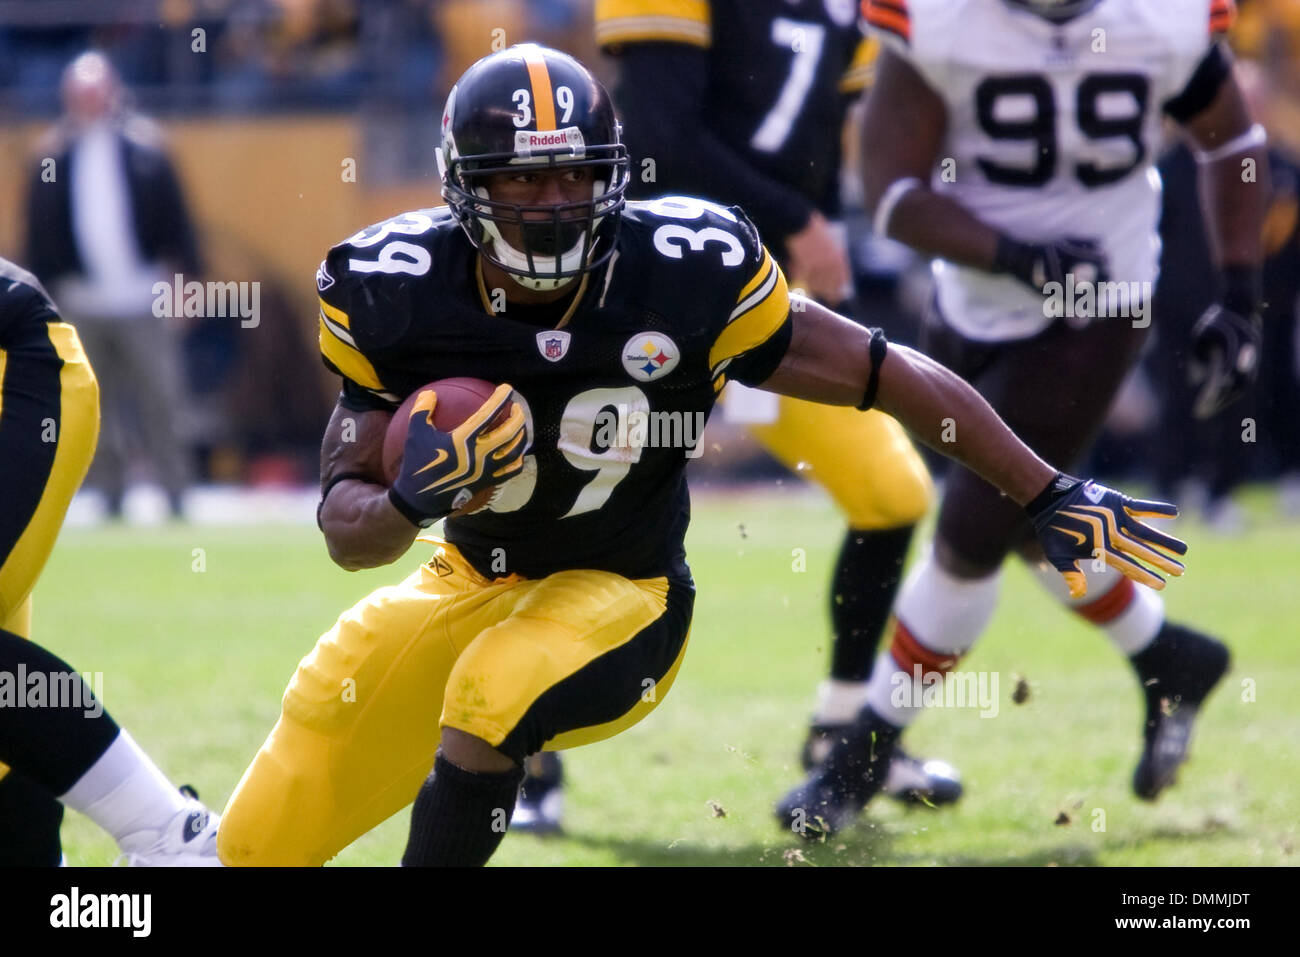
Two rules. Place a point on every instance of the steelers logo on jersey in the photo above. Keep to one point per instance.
(649, 356)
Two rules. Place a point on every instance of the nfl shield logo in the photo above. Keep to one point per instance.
(553, 344)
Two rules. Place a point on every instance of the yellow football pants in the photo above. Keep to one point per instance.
(550, 663)
(865, 460)
(48, 394)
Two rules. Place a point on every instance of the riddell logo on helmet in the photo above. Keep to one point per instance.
(569, 138)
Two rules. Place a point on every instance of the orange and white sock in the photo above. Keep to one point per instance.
(937, 618)
(1131, 615)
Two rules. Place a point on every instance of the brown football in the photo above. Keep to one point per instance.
(458, 399)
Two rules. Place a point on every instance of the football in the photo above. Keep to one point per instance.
(458, 399)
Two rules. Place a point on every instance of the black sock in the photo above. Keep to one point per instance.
(56, 743)
(29, 823)
(1179, 664)
(866, 580)
(460, 816)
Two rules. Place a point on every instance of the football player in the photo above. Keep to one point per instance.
(743, 101)
(557, 614)
(1013, 140)
(62, 748)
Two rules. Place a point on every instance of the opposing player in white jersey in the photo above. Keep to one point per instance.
(1022, 136)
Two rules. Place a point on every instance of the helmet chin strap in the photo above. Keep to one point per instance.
(516, 262)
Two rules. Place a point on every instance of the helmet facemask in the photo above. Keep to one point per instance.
(558, 242)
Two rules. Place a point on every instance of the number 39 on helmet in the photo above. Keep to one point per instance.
(530, 106)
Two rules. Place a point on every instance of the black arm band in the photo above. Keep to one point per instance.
(879, 345)
(1242, 289)
(334, 480)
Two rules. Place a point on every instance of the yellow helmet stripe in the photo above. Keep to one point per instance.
(543, 98)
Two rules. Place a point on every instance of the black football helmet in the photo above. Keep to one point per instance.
(532, 106)
(1058, 11)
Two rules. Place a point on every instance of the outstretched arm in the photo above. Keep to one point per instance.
(829, 360)
(832, 360)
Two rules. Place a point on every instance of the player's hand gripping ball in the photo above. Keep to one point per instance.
(449, 444)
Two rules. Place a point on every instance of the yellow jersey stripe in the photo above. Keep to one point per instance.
(862, 70)
(754, 326)
(760, 275)
(338, 315)
(347, 358)
(631, 21)
(543, 97)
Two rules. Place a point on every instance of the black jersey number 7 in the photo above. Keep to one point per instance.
(1039, 127)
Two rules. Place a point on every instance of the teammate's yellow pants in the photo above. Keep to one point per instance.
(49, 403)
(523, 664)
(865, 460)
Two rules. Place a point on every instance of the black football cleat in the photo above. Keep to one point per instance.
(540, 808)
(912, 781)
(837, 790)
(1178, 670)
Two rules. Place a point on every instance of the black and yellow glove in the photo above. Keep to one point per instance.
(441, 471)
(1078, 519)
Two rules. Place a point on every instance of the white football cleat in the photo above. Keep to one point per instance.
(189, 839)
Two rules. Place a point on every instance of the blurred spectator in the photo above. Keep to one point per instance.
(1259, 434)
(106, 222)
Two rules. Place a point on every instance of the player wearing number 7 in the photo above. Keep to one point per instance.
(1040, 120)
(542, 621)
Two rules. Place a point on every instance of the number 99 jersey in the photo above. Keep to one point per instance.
(1053, 129)
(616, 381)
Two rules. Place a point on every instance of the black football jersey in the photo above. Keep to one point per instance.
(25, 306)
(781, 76)
(615, 390)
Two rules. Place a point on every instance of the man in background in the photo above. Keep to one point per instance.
(106, 221)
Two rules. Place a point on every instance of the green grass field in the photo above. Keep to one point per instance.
(195, 662)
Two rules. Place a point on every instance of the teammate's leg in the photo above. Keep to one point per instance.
(29, 823)
(870, 468)
(68, 746)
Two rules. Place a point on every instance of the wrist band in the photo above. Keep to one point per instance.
(1255, 136)
(885, 208)
(879, 345)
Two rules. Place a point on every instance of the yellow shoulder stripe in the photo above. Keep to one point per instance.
(337, 346)
(763, 306)
(631, 21)
(333, 312)
(764, 267)
(863, 67)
